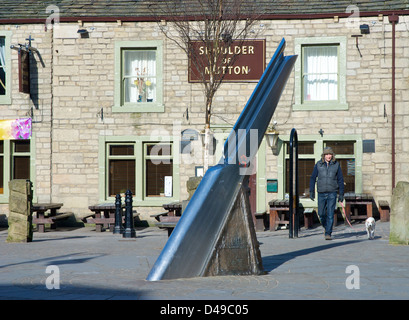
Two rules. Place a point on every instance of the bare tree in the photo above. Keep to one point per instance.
(209, 26)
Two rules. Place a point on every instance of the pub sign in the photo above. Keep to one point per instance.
(24, 71)
(242, 61)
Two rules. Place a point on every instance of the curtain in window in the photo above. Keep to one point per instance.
(320, 74)
(139, 76)
(2, 66)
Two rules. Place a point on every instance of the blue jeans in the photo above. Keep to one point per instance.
(326, 207)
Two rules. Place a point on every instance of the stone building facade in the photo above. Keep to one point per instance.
(85, 133)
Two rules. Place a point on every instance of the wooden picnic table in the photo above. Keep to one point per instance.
(174, 208)
(103, 216)
(169, 219)
(40, 218)
(358, 199)
(278, 211)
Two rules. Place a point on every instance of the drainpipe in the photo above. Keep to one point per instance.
(393, 19)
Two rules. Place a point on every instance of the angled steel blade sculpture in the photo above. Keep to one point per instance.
(189, 248)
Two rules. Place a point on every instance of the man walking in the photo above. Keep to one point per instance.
(330, 181)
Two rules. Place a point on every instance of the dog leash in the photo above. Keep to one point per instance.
(345, 215)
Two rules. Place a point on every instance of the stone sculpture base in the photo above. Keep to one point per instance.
(20, 218)
(399, 216)
(237, 250)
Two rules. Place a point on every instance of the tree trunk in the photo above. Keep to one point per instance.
(207, 139)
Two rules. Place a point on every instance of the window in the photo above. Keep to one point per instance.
(15, 163)
(158, 165)
(320, 74)
(348, 152)
(1, 167)
(5, 67)
(146, 167)
(14, 154)
(344, 154)
(121, 166)
(20, 164)
(306, 162)
(138, 76)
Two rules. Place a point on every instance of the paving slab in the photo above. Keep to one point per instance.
(103, 266)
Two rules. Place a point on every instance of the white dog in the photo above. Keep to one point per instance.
(370, 227)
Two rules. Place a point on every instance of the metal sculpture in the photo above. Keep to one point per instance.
(190, 247)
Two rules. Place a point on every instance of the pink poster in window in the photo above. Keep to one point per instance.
(18, 129)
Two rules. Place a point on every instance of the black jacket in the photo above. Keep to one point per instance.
(330, 177)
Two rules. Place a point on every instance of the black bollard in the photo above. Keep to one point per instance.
(129, 231)
(294, 200)
(119, 228)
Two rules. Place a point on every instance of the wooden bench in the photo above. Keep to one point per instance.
(355, 200)
(168, 222)
(384, 210)
(167, 225)
(158, 216)
(308, 218)
(41, 219)
(260, 220)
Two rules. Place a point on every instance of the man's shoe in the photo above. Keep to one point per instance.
(328, 237)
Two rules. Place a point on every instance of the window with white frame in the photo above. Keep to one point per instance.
(138, 76)
(5, 67)
(320, 74)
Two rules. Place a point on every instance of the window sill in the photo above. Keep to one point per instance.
(5, 199)
(140, 107)
(5, 100)
(321, 106)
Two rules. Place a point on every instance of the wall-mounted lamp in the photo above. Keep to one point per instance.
(356, 36)
(364, 28)
(272, 140)
(83, 33)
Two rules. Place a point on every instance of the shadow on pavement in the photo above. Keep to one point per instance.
(272, 262)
